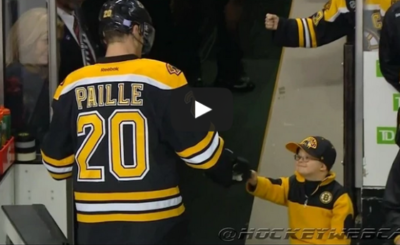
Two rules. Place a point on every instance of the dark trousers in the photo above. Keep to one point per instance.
(187, 20)
(229, 53)
(146, 233)
(162, 21)
(179, 234)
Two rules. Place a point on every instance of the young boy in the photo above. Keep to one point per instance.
(319, 209)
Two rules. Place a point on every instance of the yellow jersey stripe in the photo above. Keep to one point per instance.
(206, 154)
(213, 160)
(146, 71)
(65, 162)
(187, 153)
(126, 196)
(311, 30)
(60, 176)
(301, 32)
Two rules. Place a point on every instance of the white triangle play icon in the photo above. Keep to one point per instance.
(200, 109)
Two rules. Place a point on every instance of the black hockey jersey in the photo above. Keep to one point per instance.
(112, 133)
(389, 48)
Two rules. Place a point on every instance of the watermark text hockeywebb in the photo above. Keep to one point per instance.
(230, 234)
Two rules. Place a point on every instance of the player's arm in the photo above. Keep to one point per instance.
(323, 27)
(273, 190)
(389, 58)
(341, 221)
(57, 149)
(204, 150)
(391, 199)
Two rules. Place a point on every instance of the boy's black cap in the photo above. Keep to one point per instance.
(318, 147)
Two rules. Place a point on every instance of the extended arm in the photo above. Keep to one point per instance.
(273, 190)
(201, 149)
(57, 150)
(325, 26)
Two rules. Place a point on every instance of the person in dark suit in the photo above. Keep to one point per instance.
(225, 14)
(77, 48)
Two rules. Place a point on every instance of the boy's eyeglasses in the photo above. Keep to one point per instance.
(303, 159)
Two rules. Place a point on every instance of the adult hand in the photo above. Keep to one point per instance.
(253, 178)
(271, 22)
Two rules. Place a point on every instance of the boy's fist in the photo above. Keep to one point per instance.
(253, 178)
(271, 22)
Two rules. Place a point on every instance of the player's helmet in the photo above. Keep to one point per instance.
(123, 15)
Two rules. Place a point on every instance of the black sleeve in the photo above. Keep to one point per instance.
(323, 27)
(391, 198)
(199, 149)
(389, 58)
(57, 148)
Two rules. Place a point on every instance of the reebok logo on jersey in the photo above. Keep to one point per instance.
(110, 69)
(194, 109)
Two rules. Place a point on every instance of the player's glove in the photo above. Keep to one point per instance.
(241, 171)
(229, 169)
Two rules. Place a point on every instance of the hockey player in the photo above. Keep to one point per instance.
(335, 20)
(315, 200)
(111, 132)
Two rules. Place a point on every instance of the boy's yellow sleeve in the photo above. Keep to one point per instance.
(342, 220)
(273, 190)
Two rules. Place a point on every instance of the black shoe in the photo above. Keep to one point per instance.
(199, 82)
(244, 84)
(195, 82)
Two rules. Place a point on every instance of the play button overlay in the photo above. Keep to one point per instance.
(195, 109)
(200, 109)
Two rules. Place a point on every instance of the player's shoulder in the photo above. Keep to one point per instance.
(76, 76)
(391, 10)
(153, 63)
(351, 5)
(340, 5)
(70, 81)
(162, 72)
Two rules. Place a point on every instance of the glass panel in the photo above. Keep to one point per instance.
(372, 22)
(380, 102)
(26, 86)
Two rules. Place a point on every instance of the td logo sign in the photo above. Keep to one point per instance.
(378, 69)
(396, 102)
(386, 135)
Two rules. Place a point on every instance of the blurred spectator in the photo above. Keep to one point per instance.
(162, 21)
(91, 9)
(75, 31)
(26, 76)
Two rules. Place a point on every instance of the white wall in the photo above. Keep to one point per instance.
(26, 184)
(6, 198)
(33, 185)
